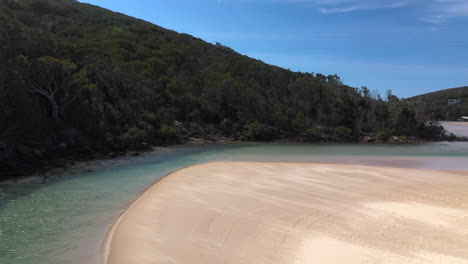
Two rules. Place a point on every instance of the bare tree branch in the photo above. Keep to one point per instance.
(51, 78)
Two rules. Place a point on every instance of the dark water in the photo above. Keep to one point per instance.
(65, 220)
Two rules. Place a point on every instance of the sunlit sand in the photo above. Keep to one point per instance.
(298, 213)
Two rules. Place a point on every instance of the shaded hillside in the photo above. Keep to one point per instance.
(76, 79)
(436, 103)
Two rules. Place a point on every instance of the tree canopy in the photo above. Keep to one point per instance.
(437, 107)
(78, 78)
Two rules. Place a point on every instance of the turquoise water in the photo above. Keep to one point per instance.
(65, 219)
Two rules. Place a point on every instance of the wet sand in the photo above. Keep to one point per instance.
(291, 213)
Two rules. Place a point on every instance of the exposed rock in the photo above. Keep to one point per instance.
(394, 139)
(197, 140)
(133, 153)
(367, 139)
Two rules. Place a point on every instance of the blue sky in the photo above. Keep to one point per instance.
(408, 46)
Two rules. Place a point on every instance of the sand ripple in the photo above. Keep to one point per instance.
(298, 213)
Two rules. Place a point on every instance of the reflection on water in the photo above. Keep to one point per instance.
(65, 220)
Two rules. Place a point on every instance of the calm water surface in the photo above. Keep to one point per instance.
(65, 220)
(458, 128)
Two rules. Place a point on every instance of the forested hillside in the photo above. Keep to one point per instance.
(436, 104)
(76, 79)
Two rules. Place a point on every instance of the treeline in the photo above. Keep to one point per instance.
(437, 107)
(76, 78)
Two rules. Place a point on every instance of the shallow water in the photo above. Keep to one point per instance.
(65, 220)
(458, 128)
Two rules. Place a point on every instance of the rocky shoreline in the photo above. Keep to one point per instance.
(20, 161)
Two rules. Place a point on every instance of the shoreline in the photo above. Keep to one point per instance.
(68, 164)
(62, 164)
(133, 208)
(46, 165)
(105, 248)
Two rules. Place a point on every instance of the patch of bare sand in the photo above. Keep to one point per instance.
(241, 212)
(458, 123)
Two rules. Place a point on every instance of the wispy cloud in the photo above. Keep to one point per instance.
(430, 11)
(441, 11)
(350, 6)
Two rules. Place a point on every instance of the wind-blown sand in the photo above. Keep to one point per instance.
(291, 213)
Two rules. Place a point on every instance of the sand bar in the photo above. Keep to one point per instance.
(296, 213)
(458, 123)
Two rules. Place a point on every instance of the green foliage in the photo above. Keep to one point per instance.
(384, 135)
(323, 134)
(431, 130)
(143, 133)
(300, 123)
(68, 66)
(451, 137)
(168, 134)
(255, 131)
(132, 136)
(435, 105)
(58, 66)
(226, 126)
(314, 134)
(406, 123)
(149, 118)
(343, 133)
(403, 139)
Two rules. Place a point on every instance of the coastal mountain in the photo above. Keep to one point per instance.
(449, 104)
(76, 79)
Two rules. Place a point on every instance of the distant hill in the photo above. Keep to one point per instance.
(77, 79)
(437, 103)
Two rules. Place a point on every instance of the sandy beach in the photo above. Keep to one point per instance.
(295, 213)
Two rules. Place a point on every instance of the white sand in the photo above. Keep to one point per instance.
(293, 213)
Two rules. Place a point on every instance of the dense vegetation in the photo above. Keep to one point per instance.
(436, 104)
(76, 79)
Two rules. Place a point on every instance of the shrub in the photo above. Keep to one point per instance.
(256, 131)
(343, 133)
(299, 123)
(226, 126)
(168, 134)
(451, 137)
(314, 134)
(431, 131)
(134, 136)
(149, 117)
(383, 135)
